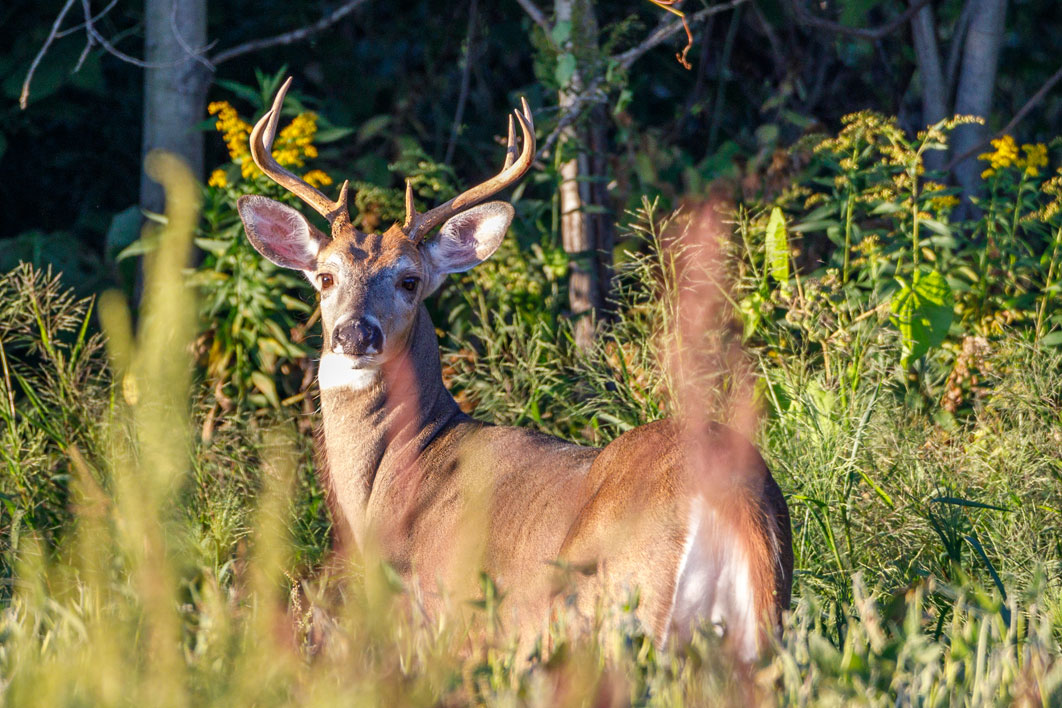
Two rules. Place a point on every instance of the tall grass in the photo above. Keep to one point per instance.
(147, 564)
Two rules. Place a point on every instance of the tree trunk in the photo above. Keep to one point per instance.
(931, 76)
(977, 82)
(585, 224)
(175, 92)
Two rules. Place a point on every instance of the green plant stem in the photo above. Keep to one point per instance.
(1048, 283)
(847, 236)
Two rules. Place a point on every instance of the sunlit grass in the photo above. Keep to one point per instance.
(146, 566)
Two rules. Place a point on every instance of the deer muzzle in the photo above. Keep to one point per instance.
(360, 337)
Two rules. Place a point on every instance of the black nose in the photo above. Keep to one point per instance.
(358, 338)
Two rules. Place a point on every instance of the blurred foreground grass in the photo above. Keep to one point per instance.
(144, 565)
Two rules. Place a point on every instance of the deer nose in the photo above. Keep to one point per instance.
(358, 338)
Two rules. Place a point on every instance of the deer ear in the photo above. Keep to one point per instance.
(280, 233)
(466, 240)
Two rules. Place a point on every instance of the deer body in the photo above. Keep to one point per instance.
(443, 494)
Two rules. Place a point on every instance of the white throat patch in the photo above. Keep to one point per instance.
(337, 371)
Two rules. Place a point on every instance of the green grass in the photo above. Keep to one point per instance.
(146, 563)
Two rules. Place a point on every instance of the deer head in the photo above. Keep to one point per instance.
(372, 284)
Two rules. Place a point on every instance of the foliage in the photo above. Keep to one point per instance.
(52, 388)
(897, 248)
(923, 555)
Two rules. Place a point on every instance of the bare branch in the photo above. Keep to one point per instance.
(1009, 127)
(659, 35)
(593, 95)
(291, 37)
(806, 18)
(958, 36)
(96, 37)
(537, 16)
(466, 77)
(81, 26)
(23, 99)
(196, 54)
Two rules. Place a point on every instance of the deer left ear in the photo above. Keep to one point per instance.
(466, 240)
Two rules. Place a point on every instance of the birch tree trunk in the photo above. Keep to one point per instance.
(175, 92)
(977, 81)
(586, 227)
(931, 76)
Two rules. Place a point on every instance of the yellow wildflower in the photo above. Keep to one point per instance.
(292, 146)
(235, 130)
(941, 202)
(1035, 158)
(317, 178)
(1006, 154)
(295, 141)
(218, 178)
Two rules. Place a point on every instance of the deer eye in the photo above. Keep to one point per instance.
(409, 284)
(325, 280)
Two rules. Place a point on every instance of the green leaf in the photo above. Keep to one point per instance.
(213, 245)
(266, 385)
(565, 69)
(1053, 339)
(331, 135)
(123, 230)
(923, 313)
(562, 31)
(777, 246)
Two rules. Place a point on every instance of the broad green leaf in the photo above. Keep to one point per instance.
(923, 313)
(562, 31)
(565, 69)
(1053, 339)
(777, 246)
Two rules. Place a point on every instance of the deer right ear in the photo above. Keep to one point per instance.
(280, 233)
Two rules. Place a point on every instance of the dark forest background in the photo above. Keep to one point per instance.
(763, 73)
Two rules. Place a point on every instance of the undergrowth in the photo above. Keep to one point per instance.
(159, 552)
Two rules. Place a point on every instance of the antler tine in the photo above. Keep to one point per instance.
(417, 226)
(510, 145)
(411, 209)
(262, 136)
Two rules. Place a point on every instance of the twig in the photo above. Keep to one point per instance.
(537, 16)
(806, 18)
(1022, 112)
(90, 29)
(289, 37)
(23, 99)
(196, 54)
(955, 51)
(627, 58)
(81, 26)
(466, 72)
(669, 6)
(592, 94)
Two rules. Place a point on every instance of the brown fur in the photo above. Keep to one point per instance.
(439, 494)
(521, 500)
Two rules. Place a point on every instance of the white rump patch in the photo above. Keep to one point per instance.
(713, 584)
(338, 371)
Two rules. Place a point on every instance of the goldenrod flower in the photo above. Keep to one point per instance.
(218, 178)
(943, 203)
(1035, 158)
(291, 147)
(317, 178)
(1006, 154)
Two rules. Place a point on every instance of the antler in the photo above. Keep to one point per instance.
(262, 152)
(417, 226)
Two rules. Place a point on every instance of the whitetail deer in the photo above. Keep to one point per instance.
(407, 468)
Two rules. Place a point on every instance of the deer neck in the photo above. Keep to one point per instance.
(375, 432)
